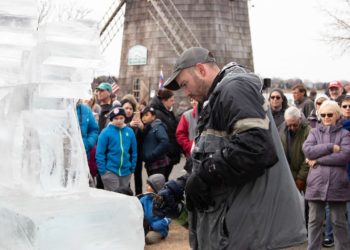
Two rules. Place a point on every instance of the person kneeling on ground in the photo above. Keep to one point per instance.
(156, 228)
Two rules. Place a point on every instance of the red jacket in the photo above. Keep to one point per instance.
(185, 131)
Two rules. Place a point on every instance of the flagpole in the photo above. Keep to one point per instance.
(161, 78)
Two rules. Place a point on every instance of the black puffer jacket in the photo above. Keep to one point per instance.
(241, 138)
(169, 119)
(103, 117)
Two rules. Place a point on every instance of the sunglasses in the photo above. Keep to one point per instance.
(275, 97)
(345, 106)
(319, 103)
(329, 115)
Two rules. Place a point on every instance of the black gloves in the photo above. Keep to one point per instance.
(209, 172)
(197, 193)
(168, 201)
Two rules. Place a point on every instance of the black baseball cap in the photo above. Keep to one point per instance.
(187, 59)
(148, 109)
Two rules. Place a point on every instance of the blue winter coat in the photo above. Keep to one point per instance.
(113, 151)
(155, 141)
(157, 224)
(346, 125)
(328, 181)
(88, 127)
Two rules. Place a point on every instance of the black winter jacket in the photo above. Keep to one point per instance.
(256, 204)
(169, 119)
(155, 143)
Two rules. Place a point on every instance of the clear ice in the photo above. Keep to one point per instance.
(45, 200)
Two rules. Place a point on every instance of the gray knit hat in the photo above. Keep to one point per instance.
(156, 181)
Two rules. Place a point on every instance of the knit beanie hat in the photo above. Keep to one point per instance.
(116, 110)
(156, 181)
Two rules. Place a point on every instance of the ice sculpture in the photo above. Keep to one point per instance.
(45, 201)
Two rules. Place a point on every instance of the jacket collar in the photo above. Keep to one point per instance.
(332, 128)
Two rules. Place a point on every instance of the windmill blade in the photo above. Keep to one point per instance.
(112, 23)
(170, 21)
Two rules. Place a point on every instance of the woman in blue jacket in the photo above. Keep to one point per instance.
(88, 126)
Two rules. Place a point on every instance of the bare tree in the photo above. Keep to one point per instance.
(62, 11)
(44, 7)
(72, 10)
(339, 33)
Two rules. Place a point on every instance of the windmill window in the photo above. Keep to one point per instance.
(136, 89)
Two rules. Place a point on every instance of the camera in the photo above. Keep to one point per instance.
(266, 83)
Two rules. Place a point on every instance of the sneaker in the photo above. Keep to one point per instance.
(153, 237)
(328, 243)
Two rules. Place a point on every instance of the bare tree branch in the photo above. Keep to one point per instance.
(44, 8)
(62, 11)
(340, 27)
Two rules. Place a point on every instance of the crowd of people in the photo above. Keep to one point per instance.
(123, 137)
(233, 153)
(315, 137)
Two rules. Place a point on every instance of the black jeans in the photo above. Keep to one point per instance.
(138, 177)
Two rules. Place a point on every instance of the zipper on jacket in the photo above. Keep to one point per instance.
(122, 154)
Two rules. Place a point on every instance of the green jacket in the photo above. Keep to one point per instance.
(297, 163)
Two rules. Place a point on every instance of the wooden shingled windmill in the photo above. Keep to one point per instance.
(156, 32)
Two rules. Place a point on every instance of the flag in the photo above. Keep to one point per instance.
(115, 88)
(161, 79)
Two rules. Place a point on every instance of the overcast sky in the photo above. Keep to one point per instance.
(286, 37)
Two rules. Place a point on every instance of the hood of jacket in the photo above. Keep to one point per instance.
(156, 103)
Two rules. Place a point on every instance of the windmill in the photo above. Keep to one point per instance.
(165, 15)
(156, 32)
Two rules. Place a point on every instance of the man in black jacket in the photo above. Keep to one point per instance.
(104, 92)
(240, 194)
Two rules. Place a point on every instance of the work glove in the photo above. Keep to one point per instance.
(197, 193)
(209, 173)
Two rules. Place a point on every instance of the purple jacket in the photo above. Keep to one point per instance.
(329, 180)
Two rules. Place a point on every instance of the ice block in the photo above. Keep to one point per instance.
(45, 200)
(94, 220)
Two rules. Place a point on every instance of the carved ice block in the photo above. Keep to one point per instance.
(94, 220)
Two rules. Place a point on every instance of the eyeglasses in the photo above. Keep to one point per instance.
(319, 103)
(275, 97)
(329, 115)
(345, 106)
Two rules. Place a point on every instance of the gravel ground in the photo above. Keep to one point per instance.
(176, 240)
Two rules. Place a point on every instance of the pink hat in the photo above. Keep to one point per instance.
(335, 84)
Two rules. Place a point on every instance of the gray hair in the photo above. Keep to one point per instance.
(292, 112)
(332, 104)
